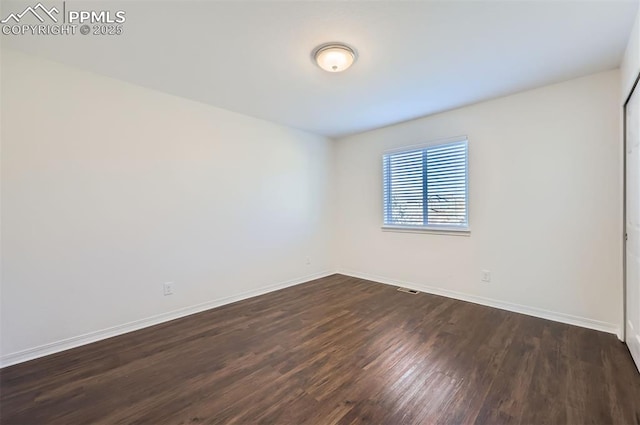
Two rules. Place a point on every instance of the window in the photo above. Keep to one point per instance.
(426, 188)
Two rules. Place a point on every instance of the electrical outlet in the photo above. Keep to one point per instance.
(308, 261)
(168, 288)
(485, 276)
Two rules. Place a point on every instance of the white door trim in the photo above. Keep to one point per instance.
(630, 335)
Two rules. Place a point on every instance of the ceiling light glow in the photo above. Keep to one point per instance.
(334, 57)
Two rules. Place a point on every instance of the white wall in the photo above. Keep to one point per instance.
(630, 66)
(545, 205)
(109, 190)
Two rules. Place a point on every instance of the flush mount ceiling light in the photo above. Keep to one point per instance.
(334, 57)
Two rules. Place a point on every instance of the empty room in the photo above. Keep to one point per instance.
(319, 212)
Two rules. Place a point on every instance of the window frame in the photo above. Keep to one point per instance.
(429, 228)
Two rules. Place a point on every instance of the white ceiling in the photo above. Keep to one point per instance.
(415, 58)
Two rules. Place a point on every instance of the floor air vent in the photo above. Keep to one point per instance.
(408, 291)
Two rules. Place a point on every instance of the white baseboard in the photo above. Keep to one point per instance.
(76, 341)
(503, 305)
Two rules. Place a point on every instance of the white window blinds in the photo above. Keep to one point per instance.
(427, 187)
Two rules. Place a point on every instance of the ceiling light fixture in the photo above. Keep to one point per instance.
(334, 57)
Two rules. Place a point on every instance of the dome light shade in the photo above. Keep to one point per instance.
(334, 57)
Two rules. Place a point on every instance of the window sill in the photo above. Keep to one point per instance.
(431, 230)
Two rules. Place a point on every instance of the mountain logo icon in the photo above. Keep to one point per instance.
(39, 10)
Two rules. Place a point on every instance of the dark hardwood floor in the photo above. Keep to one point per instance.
(334, 350)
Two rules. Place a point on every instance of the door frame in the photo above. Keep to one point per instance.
(624, 207)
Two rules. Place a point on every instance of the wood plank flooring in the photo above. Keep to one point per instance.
(337, 350)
